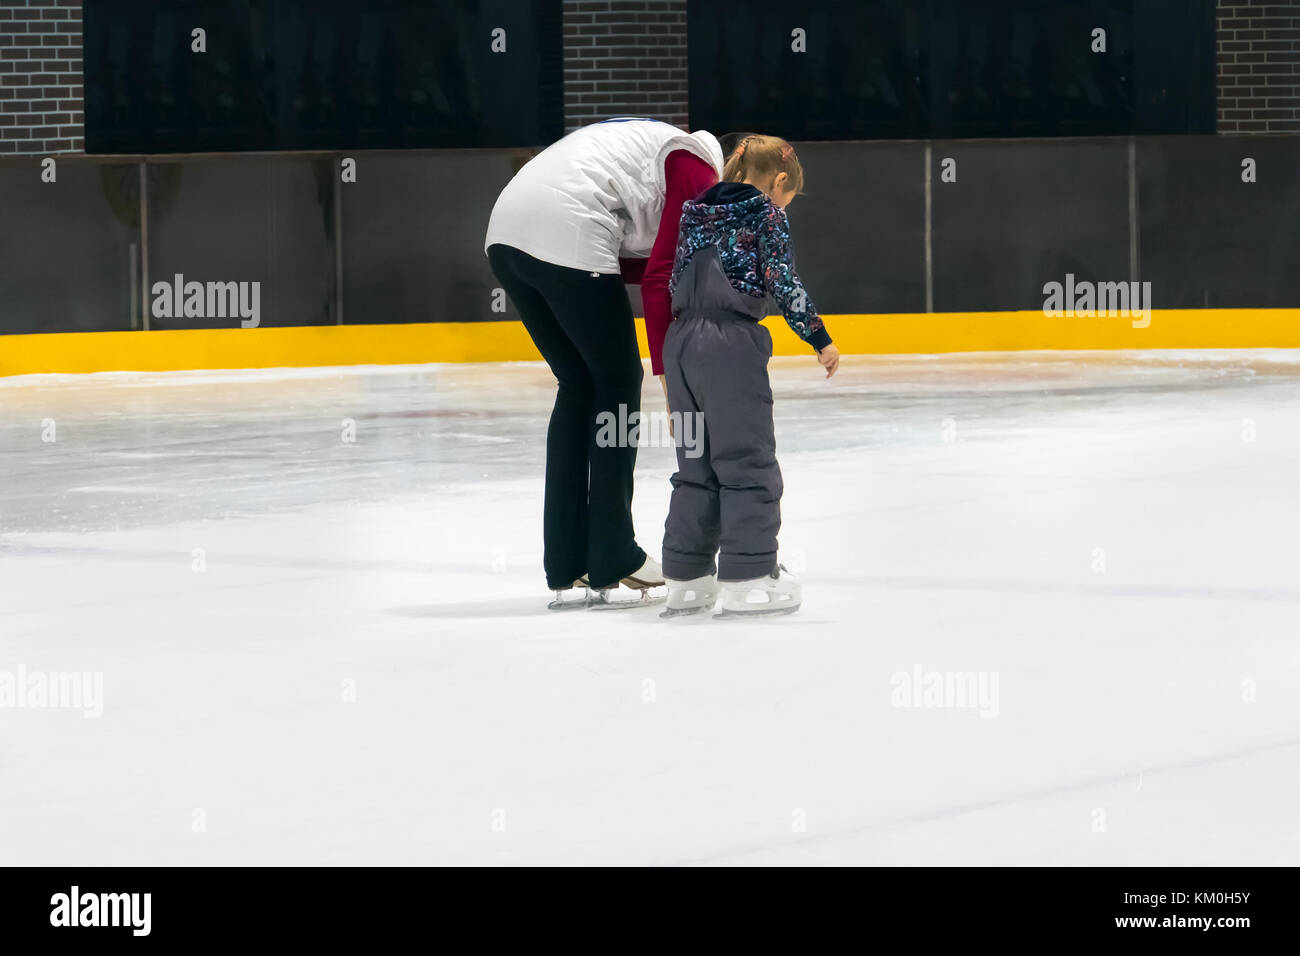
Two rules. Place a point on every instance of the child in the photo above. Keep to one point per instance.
(733, 249)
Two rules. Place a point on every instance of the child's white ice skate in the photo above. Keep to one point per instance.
(572, 598)
(777, 593)
(691, 597)
(615, 597)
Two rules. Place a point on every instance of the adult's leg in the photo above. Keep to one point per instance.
(596, 315)
(692, 527)
(564, 523)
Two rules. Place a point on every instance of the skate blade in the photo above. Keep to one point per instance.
(570, 604)
(575, 605)
(600, 602)
(685, 611)
(757, 612)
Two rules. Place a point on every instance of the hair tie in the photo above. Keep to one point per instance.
(785, 153)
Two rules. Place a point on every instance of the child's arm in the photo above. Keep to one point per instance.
(776, 259)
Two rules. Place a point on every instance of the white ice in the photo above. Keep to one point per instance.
(324, 651)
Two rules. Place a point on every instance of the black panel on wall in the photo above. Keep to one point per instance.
(1175, 93)
(1026, 68)
(147, 92)
(888, 69)
(321, 74)
(863, 76)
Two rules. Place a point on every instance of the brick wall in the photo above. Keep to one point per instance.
(624, 58)
(40, 77)
(1259, 66)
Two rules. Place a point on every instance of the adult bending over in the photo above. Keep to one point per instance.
(575, 223)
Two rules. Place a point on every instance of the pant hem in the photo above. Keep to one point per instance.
(632, 566)
(687, 568)
(567, 583)
(747, 568)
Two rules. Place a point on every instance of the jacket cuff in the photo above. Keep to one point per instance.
(819, 339)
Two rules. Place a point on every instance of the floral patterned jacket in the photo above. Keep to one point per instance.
(752, 235)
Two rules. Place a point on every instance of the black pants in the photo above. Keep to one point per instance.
(583, 326)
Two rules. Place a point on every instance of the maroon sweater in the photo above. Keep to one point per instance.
(686, 176)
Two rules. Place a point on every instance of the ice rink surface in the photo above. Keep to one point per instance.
(323, 650)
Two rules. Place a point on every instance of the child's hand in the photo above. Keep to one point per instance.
(829, 358)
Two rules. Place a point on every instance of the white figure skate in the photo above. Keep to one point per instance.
(691, 597)
(778, 593)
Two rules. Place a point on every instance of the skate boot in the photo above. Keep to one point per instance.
(778, 593)
(572, 598)
(691, 597)
(617, 596)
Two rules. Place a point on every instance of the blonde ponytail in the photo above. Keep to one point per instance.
(760, 158)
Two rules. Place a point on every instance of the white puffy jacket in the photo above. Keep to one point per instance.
(595, 195)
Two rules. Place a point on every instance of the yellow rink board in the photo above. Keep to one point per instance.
(507, 341)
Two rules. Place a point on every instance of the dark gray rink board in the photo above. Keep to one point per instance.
(859, 231)
(413, 228)
(250, 219)
(1022, 214)
(65, 247)
(1207, 238)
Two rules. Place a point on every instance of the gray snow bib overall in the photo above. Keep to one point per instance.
(727, 489)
